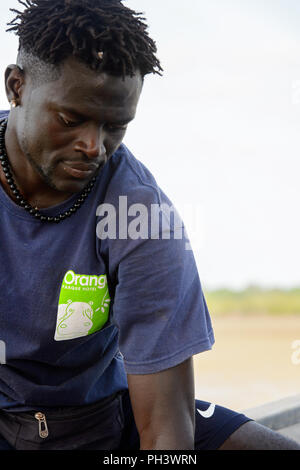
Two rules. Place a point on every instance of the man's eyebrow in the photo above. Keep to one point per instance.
(123, 121)
(70, 110)
(80, 115)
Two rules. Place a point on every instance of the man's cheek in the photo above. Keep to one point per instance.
(112, 146)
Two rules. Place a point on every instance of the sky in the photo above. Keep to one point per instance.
(220, 131)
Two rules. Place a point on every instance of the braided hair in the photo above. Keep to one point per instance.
(104, 34)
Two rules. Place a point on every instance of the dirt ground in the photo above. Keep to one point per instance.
(250, 363)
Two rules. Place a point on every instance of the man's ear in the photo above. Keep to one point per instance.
(14, 83)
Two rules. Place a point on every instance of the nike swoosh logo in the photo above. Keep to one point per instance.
(209, 412)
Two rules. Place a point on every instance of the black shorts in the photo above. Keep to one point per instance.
(214, 425)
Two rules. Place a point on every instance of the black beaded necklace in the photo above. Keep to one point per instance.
(18, 196)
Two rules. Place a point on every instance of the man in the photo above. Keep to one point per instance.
(100, 327)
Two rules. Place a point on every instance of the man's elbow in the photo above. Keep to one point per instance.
(167, 438)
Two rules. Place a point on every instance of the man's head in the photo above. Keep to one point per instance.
(77, 82)
(103, 34)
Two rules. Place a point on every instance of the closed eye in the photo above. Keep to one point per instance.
(115, 128)
(68, 122)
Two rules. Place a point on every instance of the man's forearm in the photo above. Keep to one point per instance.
(164, 408)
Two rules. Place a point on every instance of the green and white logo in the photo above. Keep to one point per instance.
(83, 306)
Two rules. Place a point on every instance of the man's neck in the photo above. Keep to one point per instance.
(36, 199)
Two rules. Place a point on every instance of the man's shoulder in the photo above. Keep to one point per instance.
(131, 176)
(3, 114)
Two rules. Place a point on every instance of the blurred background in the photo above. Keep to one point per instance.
(220, 132)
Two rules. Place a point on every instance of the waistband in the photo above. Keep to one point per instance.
(64, 412)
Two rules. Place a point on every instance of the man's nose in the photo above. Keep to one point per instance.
(90, 143)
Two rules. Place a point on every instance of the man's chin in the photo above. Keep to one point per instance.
(68, 183)
(71, 187)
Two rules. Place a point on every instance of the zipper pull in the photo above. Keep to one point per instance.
(43, 428)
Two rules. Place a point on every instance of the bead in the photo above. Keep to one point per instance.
(21, 201)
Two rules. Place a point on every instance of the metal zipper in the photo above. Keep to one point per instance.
(43, 428)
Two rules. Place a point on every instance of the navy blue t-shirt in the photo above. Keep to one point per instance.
(101, 294)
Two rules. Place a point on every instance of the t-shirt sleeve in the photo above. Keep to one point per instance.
(159, 307)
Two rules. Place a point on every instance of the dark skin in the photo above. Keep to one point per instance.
(163, 407)
(75, 123)
(79, 121)
(59, 135)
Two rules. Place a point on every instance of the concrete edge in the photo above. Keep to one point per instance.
(278, 414)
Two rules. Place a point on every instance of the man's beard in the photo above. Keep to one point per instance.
(46, 177)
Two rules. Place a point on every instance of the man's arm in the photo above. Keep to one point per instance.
(164, 408)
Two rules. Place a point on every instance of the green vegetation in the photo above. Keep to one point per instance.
(254, 300)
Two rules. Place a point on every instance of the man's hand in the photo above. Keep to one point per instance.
(164, 408)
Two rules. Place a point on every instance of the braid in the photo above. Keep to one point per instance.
(52, 30)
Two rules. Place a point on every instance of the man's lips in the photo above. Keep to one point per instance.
(79, 170)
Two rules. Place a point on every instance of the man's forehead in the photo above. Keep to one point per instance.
(77, 75)
(77, 83)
